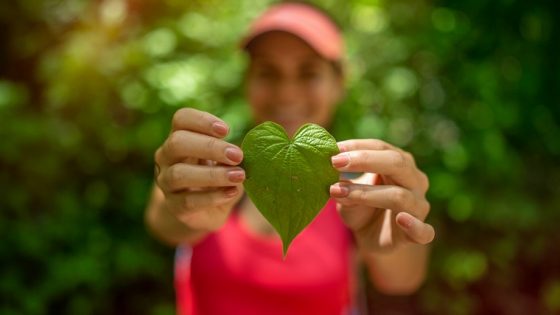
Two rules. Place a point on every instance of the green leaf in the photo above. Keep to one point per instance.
(288, 180)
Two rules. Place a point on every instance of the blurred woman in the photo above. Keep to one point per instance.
(230, 258)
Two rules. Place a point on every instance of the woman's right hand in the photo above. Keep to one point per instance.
(197, 170)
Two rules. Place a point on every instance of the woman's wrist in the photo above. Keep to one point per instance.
(165, 226)
(400, 270)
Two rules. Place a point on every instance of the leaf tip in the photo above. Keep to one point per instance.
(285, 247)
(286, 242)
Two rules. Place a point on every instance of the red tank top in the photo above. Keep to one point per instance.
(235, 271)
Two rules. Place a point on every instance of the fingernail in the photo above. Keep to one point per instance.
(341, 147)
(340, 160)
(337, 190)
(230, 191)
(235, 155)
(220, 128)
(236, 176)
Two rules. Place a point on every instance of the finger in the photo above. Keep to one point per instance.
(380, 196)
(183, 144)
(181, 176)
(376, 144)
(416, 230)
(189, 201)
(364, 144)
(356, 216)
(385, 162)
(199, 121)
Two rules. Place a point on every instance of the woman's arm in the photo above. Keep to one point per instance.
(198, 180)
(400, 272)
(385, 208)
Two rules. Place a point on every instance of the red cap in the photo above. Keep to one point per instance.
(303, 21)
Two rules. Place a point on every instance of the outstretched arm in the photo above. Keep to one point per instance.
(198, 180)
(385, 208)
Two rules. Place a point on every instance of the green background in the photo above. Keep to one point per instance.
(87, 90)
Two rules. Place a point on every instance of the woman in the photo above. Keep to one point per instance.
(294, 77)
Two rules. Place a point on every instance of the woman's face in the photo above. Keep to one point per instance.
(289, 83)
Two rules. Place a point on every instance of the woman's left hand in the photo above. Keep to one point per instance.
(386, 206)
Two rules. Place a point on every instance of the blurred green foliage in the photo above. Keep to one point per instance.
(87, 89)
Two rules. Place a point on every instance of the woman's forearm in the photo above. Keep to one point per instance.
(165, 226)
(399, 272)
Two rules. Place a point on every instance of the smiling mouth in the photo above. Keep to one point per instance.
(290, 125)
(291, 128)
(289, 120)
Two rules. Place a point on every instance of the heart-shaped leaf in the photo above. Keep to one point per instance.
(288, 180)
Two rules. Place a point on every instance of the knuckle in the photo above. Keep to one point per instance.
(398, 160)
(380, 144)
(158, 156)
(211, 144)
(423, 208)
(214, 174)
(401, 198)
(174, 177)
(160, 182)
(409, 157)
(179, 116)
(425, 181)
(174, 141)
(211, 173)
